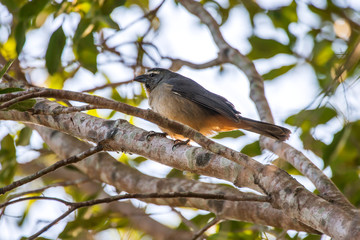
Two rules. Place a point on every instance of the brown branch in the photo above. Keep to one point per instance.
(47, 227)
(199, 233)
(110, 85)
(137, 217)
(106, 169)
(179, 63)
(58, 184)
(76, 205)
(65, 110)
(326, 187)
(271, 179)
(62, 163)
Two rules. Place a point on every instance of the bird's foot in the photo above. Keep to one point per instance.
(151, 134)
(178, 142)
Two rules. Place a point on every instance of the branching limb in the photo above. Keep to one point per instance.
(58, 184)
(199, 233)
(74, 206)
(53, 167)
(326, 187)
(65, 110)
(110, 85)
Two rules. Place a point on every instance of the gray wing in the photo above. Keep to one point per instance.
(194, 92)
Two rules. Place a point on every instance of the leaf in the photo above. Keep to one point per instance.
(32, 8)
(283, 164)
(266, 48)
(23, 105)
(278, 72)
(20, 31)
(54, 50)
(10, 90)
(8, 49)
(230, 134)
(7, 160)
(109, 5)
(343, 157)
(83, 29)
(86, 53)
(6, 67)
(24, 137)
(252, 149)
(282, 17)
(175, 173)
(308, 119)
(310, 143)
(336, 147)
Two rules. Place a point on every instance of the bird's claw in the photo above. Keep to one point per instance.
(152, 134)
(178, 142)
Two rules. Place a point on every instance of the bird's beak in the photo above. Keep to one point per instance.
(141, 79)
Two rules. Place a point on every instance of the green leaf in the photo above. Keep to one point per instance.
(32, 8)
(266, 48)
(24, 137)
(84, 24)
(109, 5)
(23, 105)
(54, 50)
(343, 157)
(282, 17)
(6, 68)
(175, 173)
(10, 90)
(7, 160)
(278, 72)
(230, 134)
(308, 119)
(20, 31)
(310, 143)
(336, 147)
(283, 164)
(252, 149)
(13, 5)
(86, 53)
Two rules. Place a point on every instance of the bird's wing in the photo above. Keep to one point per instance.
(194, 92)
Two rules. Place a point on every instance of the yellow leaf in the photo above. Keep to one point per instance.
(8, 49)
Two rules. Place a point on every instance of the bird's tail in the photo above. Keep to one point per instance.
(264, 128)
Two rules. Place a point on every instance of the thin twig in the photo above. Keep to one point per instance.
(58, 184)
(44, 229)
(199, 233)
(74, 206)
(111, 85)
(73, 159)
(187, 222)
(65, 110)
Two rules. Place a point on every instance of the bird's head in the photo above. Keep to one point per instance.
(153, 77)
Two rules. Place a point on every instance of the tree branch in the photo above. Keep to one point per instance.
(326, 187)
(106, 169)
(62, 163)
(286, 191)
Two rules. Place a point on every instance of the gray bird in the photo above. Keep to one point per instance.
(181, 99)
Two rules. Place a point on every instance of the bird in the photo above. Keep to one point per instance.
(179, 98)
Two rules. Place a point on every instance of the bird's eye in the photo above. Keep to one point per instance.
(152, 74)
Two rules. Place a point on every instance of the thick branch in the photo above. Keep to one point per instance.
(326, 187)
(137, 217)
(286, 192)
(104, 168)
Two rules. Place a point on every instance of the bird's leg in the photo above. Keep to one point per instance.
(152, 134)
(178, 142)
